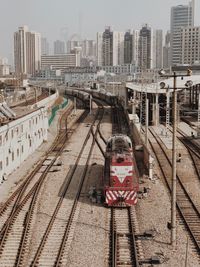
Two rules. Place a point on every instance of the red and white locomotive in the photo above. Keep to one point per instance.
(120, 179)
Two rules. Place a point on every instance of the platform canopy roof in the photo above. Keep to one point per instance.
(154, 88)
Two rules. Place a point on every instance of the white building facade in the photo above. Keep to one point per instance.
(110, 48)
(190, 45)
(27, 51)
(19, 139)
(181, 16)
(60, 62)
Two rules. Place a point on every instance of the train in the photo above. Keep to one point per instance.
(120, 176)
(83, 96)
(100, 94)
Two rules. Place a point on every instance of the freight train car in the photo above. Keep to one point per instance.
(120, 179)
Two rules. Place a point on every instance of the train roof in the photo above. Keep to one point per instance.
(119, 142)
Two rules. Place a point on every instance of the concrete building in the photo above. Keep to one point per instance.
(181, 16)
(4, 70)
(128, 47)
(135, 42)
(158, 49)
(127, 69)
(190, 46)
(59, 47)
(60, 62)
(44, 47)
(71, 44)
(80, 76)
(110, 48)
(19, 139)
(145, 48)
(99, 48)
(88, 48)
(27, 51)
(166, 51)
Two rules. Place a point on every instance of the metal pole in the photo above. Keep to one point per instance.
(173, 200)
(168, 109)
(35, 95)
(90, 104)
(157, 110)
(147, 122)
(74, 105)
(198, 117)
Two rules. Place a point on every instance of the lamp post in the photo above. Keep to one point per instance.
(173, 189)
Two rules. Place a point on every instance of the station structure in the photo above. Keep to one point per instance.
(160, 97)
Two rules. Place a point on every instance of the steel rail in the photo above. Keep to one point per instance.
(50, 224)
(185, 205)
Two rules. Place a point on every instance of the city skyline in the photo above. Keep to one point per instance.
(50, 18)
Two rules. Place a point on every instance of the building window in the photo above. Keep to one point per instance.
(22, 149)
(17, 130)
(29, 143)
(13, 156)
(1, 166)
(7, 162)
(12, 133)
(18, 152)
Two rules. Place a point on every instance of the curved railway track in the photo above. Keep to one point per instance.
(189, 212)
(60, 232)
(193, 149)
(18, 209)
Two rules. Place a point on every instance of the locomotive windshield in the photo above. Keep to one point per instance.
(119, 143)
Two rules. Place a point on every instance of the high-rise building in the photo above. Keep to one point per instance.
(27, 51)
(135, 47)
(145, 49)
(44, 47)
(128, 47)
(110, 48)
(88, 48)
(190, 45)
(166, 51)
(181, 16)
(99, 50)
(59, 47)
(158, 49)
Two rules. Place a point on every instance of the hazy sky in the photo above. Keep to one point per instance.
(82, 16)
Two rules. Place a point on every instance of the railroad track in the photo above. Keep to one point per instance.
(189, 212)
(193, 149)
(54, 246)
(20, 206)
(123, 245)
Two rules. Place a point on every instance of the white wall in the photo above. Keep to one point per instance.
(20, 138)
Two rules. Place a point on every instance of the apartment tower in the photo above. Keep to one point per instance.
(181, 16)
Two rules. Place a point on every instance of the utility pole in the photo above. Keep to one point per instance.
(173, 199)
(198, 116)
(75, 105)
(90, 104)
(173, 187)
(147, 122)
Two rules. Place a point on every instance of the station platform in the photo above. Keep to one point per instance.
(165, 135)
